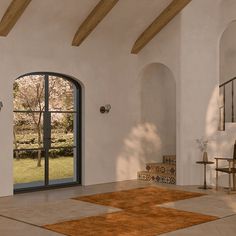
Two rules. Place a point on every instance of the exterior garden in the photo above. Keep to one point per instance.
(44, 121)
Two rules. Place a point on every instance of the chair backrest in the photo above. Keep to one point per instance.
(234, 155)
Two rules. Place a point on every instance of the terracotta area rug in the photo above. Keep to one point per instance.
(147, 196)
(140, 215)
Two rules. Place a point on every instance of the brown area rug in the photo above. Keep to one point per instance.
(147, 196)
(140, 215)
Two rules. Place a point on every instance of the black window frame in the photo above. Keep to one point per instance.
(78, 135)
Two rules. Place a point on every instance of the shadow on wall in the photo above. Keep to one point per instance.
(211, 131)
(158, 107)
(133, 158)
(155, 135)
(221, 142)
(226, 139)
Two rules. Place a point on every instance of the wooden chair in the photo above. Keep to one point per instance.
(230, 169)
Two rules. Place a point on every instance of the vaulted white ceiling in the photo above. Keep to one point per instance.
(58, 20)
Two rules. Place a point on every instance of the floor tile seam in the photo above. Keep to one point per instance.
(27, 223)
(180, 200)
(49, 204)
(116, 209)
(179, 207)
(39, 204)
(219, 218)
(187, 203)
(193, 212)
(165, 205)
(203, 213)
(131, 210)
(187, 199)
(198, 225)
(225, 217)
(179, 189)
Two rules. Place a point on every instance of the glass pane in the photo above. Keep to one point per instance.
(29, 93)
(61, 94)
(62, 163)
(62, 129)
(28, 168)
(28, 130)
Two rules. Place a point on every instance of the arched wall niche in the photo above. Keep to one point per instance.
(227, 69)
(158, 111)
(228, 53)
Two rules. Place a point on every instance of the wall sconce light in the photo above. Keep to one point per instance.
(1, 105)
(105, 109)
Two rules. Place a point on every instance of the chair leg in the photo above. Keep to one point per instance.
(234, 188)
(217, 179)
(229, 183)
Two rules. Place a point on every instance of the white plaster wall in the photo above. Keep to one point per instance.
(191, 49)
(41, 41)
(201, 33)
(199, 84)
(189, 46)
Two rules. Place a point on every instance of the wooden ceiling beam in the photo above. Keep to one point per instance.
(93, 19)
(12, 14)
(158, 24)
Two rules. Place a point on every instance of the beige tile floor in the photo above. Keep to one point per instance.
(10, 227)
(54, 212)
(219, 206)
(222, 227)
(22, 214)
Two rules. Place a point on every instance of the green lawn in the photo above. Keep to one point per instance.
(26, 170)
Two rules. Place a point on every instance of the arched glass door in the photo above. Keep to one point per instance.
(47, 133)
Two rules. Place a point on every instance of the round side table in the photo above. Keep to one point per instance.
(205, 163)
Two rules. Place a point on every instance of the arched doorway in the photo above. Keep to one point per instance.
(227, 76)
(158, 119)
(47, 131)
